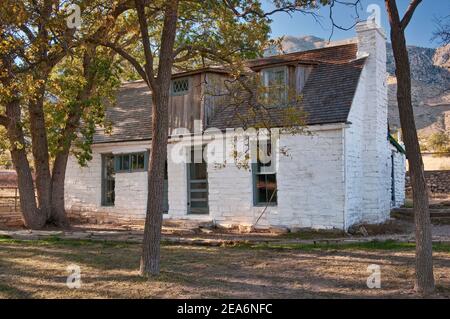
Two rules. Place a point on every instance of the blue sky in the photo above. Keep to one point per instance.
(419, 32)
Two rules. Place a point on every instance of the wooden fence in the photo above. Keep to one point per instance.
(10, 215)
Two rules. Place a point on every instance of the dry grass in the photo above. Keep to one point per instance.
(38, 270)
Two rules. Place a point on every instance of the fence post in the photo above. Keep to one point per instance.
(15, 199)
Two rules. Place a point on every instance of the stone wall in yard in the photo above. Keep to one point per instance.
(82, 216)
(10, 219)
(438, 182)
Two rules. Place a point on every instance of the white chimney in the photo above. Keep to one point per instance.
(372, 44)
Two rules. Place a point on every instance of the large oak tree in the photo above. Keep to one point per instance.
(36, 108)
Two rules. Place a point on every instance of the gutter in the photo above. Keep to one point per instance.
(396, 144)
(345, 178)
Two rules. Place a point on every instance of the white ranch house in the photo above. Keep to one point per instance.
(349, 170)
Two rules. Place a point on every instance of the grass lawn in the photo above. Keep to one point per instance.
(37, 269)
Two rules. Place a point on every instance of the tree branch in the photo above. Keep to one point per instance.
(409, 13)
(334, 25)
(140, 8)
(124, 54)
(288, 7)
(394, 18)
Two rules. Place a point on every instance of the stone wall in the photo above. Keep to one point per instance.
(303, 200)
(375, 186)
(438, 182)
(310, 187)
(10, 219)
(83, 189)
(82, 216)
(399, 178)
(10, 215)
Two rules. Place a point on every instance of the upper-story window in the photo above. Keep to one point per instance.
(275, 83)
(180, 86)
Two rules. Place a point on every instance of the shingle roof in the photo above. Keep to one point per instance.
(327, 95)
(326, 98)
(130, 116)
(335, 54)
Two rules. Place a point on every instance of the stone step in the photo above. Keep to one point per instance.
(186, 223)
(438, 216)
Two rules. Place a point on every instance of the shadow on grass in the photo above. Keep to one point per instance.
(255, 271)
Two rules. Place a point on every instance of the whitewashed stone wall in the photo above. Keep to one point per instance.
(338, 176)
(399, 177)
(354, 156)
(310, 184)
(83, 190)
(376, 151)
(311, 180)
(83, 184)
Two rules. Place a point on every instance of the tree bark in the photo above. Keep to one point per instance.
(33, 217)
(150, 261)
(424, 281)
(40, 151)
(58, 211)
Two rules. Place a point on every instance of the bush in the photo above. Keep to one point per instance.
(439, 142)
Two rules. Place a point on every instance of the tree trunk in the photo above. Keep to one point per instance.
(150, 261)
(33, 217)
(424, 282)
(40, 151)
(58, 211)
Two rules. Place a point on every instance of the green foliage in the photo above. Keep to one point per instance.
(5, 158)
(439, 142)
(67, 84)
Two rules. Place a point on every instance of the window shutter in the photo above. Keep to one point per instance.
(255, 191)
(146, 156)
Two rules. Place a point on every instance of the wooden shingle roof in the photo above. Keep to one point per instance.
(327, 95)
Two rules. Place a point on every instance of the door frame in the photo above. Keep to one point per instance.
(189, 181)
